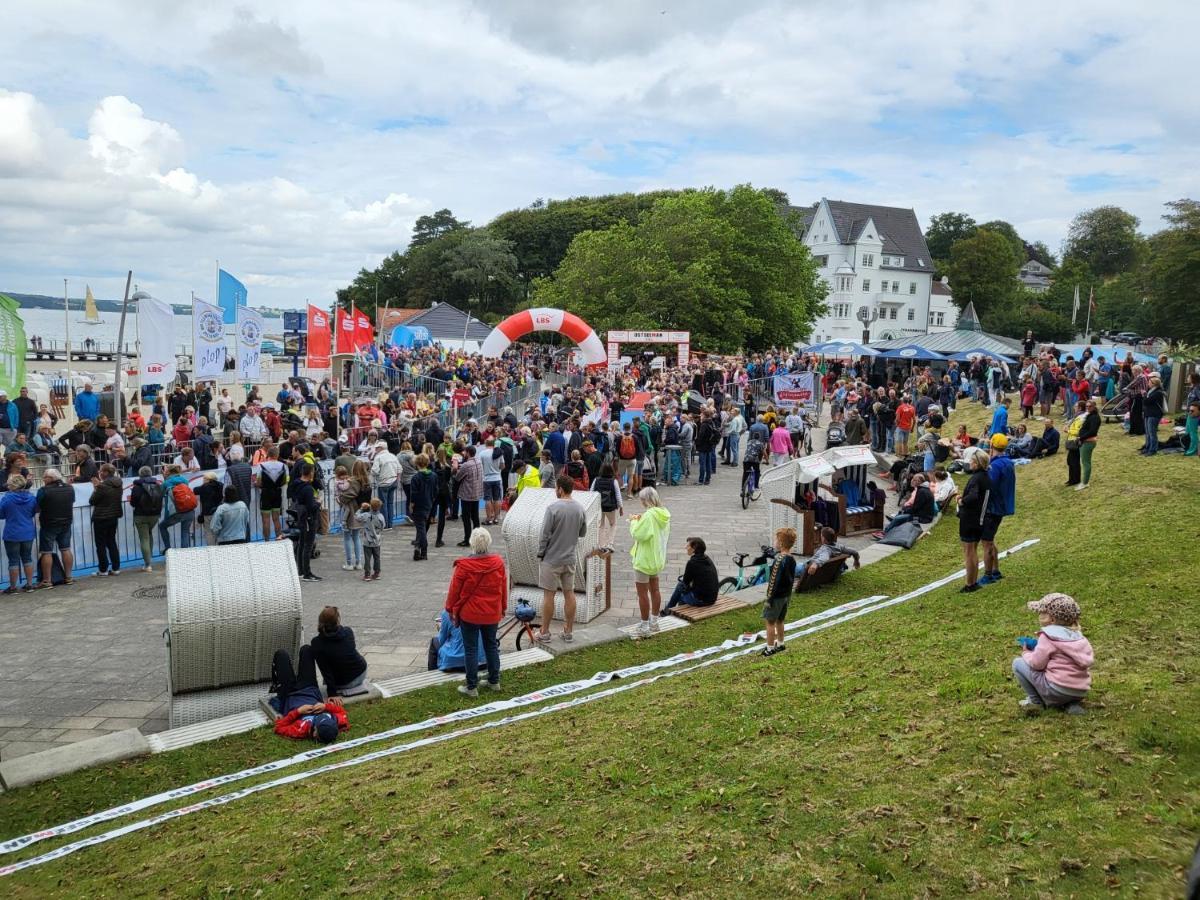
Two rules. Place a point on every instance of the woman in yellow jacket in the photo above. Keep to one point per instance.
(1072, 439)
(650, 530)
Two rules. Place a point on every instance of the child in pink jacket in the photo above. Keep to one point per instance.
(1054, 667)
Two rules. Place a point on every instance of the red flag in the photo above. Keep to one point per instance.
(364, 332)
(345, 332)
(318, 339)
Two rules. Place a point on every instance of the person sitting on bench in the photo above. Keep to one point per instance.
(342, 666)
(697, 586)
(298, 700)
(828, 550)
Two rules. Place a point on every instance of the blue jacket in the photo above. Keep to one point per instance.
(450, 646)
(87, 405)
(14, 415)
(1003, 499)
(1000, 420)
(557, 445)
(17, 508)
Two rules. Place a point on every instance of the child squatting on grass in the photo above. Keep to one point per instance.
(779, 590)
(1054, 667)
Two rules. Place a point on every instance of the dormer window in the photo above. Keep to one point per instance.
(868, 259)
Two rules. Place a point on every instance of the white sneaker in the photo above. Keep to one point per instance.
(147, 569)
(347, 568)
(1080, 487)
(643, 629)
(356, 567)
(654, 623)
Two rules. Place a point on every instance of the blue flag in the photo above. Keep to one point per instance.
(231, 294)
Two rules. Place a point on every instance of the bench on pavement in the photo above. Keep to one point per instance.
(700, 613)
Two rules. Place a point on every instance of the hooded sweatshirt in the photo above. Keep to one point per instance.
(650, 533)
(478, 589)
(1065, 655)
(337, 656)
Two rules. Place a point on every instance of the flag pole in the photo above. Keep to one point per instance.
(1087, 329)
(67, 319)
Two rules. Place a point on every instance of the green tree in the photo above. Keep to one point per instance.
(387, 282)
(983, 270)
(1121, 305)
(1060, 298)
(946, 228)
(1021, 313)
(1172, 273)
(720, 264)
(1039, 251)
(1106, 238)
(429, 228)
(999, 226)
(486, 264)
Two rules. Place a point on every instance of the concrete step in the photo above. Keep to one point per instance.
(175, 738)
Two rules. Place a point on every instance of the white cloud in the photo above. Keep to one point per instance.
(127, 143)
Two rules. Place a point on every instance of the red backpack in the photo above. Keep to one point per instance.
(627, 449)
(183, 498)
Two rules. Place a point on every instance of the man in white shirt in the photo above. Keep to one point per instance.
(737, 425)
(252, 427)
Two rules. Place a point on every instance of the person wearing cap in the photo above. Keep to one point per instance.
(298, 699)
(1054, 668)
(1002, 501)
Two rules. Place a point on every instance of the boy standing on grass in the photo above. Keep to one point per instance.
(779, 590)
(1054, 668)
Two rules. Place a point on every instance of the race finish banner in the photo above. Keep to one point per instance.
(208, 341)
(795, 388)
(250, 332)
(156, 325)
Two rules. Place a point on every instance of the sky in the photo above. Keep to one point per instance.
(298, 141)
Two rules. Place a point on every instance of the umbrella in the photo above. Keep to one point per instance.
(966, 355)
(841, 348)
(910, 352)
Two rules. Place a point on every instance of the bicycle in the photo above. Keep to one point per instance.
(762, 571)
(749, 485)
(523, 620)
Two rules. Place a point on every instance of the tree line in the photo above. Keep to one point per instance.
(722, 264)
(1139, 283)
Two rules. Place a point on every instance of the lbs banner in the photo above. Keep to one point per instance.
(795, 388)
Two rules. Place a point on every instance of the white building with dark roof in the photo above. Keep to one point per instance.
(879, 272)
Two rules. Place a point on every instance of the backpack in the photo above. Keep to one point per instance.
(183, 498)
(627, 449)
(754, 451)
(151, 501)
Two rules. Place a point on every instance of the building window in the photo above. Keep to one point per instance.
(841, 310)
(821, 261)
(941, 318)
(895, 313)
(912, 287)
(868, 259)
(883, 287)
(912, 314)
(866, 285)
(895, 287)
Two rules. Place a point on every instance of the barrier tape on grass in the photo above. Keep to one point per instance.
(828, 618)
(558, 690)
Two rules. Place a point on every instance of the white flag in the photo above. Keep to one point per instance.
(1075, 310)
(156, 328)
(208, 341)
(250, 332)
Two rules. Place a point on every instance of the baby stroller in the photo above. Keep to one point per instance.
(1116, 409)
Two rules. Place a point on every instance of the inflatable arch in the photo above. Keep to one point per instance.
(542, 319)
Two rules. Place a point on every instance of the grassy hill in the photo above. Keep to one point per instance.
(885, 756)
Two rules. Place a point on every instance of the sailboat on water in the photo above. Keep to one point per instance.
(91, 315)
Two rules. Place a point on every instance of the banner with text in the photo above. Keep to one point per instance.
(12, 347)
(208, 341)
(319, 340)
(156, 328)
(250, 332)
(795, 388)
(345, 332)
(364, 332)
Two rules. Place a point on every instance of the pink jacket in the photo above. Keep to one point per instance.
(1064, 655)
(781, 441)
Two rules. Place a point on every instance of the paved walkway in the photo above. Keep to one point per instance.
(89, 659)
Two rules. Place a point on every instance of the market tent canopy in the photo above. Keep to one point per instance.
(841, 348)
(911, 352)
(950, 342)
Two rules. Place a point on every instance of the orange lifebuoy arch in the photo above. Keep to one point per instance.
(543, 319)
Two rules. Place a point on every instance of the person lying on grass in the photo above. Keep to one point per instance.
(298, 699)
(1054, 668)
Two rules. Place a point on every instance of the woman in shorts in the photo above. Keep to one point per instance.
(972, 507)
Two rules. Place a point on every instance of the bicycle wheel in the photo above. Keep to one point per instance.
(746, 490)
(525, 637)
(727, 585)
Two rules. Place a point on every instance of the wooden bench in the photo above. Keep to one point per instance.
(700, 613)
(826, 574)
(858, 519)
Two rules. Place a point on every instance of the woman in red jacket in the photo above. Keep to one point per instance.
(476, 602)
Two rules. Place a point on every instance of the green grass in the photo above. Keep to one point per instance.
(885, 756)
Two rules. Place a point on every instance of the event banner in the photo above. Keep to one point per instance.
(319, 339)
(795, 388)
(12, 347)
(364, 332)
(208, 341)
(345, 332)
(231, 296)
(156, 329)
(249, 346)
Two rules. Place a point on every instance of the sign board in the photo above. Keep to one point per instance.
(295, 320)
(682, 340)
(795, 388)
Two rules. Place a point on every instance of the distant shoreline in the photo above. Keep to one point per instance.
(43, 301)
